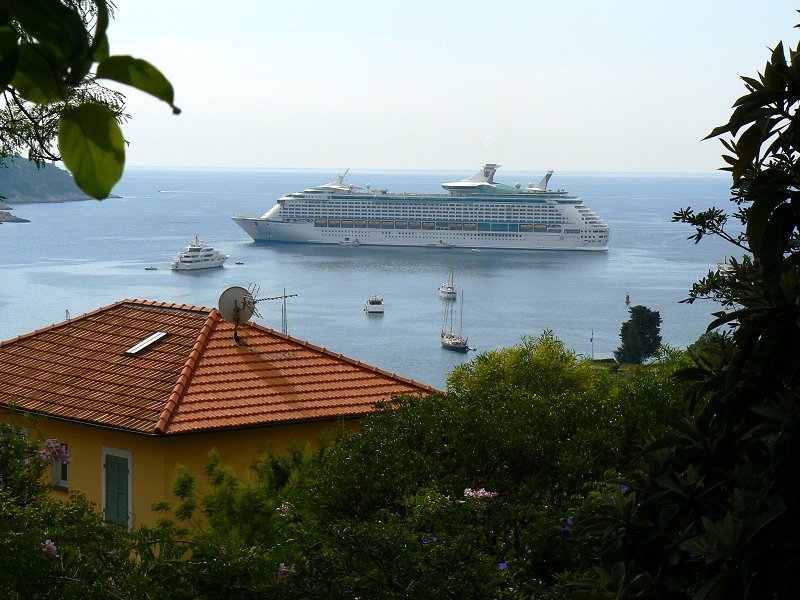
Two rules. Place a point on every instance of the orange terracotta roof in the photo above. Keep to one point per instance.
(196, 377)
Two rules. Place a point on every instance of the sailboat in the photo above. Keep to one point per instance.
(451, 340)
(448, 289)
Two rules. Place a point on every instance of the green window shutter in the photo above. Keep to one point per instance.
(116, 490)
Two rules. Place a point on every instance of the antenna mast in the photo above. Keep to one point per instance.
(253, 289)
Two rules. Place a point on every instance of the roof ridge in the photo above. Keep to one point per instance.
(187, 371)
(169, 305)
(342, 357)
(62, 323)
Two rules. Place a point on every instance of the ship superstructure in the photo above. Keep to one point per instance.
(477, 212)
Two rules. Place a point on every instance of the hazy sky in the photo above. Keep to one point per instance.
(573, 85)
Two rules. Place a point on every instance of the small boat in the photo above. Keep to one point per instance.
(450, 339)
(374, 305)
(440, 244)
(198, 255)
(238, 262)
(151, 268)
(724, 267)
(448, 289)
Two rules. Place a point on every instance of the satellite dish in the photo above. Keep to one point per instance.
(236, 305)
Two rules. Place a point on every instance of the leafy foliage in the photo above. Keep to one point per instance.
(48, 544)
(640, 335)
(471, 494)
(714, 509)
(52, 54)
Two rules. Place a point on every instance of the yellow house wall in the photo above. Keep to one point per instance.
(155, 458)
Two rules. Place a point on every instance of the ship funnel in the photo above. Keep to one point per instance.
(543, 183)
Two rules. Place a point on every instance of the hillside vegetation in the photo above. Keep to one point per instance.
(21, 181)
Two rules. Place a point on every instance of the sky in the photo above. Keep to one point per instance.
(571, 85)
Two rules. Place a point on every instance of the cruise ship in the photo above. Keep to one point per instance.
(476, 212)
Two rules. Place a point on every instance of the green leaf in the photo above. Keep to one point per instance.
(92, 147)
(778, 59)
(35, 79)
(140, 74)
(717, 131)
(757, 220)
(8, 55)
(760, 98)
(747, 148)
(102, 52)
(774, 242)
(58, 29)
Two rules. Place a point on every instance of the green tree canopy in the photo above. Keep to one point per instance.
(470, 494)
(640, 335)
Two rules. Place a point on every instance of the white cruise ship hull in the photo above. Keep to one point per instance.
(475, 213)
(263, 229)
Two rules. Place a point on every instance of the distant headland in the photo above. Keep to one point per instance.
(22, 182)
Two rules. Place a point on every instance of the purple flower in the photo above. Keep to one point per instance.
(54, 450)
(427, 540)
(624, 489)
(503, 566)
(479, 494)
(285, 570)
(49, 547)
(566, 529)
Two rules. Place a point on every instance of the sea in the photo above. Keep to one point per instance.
(75, 257)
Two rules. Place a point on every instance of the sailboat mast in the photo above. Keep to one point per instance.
(461, 315)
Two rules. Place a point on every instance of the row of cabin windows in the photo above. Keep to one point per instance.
(442, 226)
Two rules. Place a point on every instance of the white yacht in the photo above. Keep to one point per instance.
(374, 304)
(198, 255)
(476, 213)
(448, 289)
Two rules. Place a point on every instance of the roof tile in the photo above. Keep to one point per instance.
(193, 379)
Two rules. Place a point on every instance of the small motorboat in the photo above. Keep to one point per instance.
(151, 268)
(374, 305)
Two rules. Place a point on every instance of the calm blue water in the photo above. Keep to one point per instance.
(79, 256)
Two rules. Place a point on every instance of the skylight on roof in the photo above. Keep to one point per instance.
(148, 341)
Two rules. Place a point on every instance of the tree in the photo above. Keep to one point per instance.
(640, 335)
(52, 56)
(470, 494)
(714, 510)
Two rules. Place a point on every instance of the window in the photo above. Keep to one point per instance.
(117, 487)
(60, 469)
